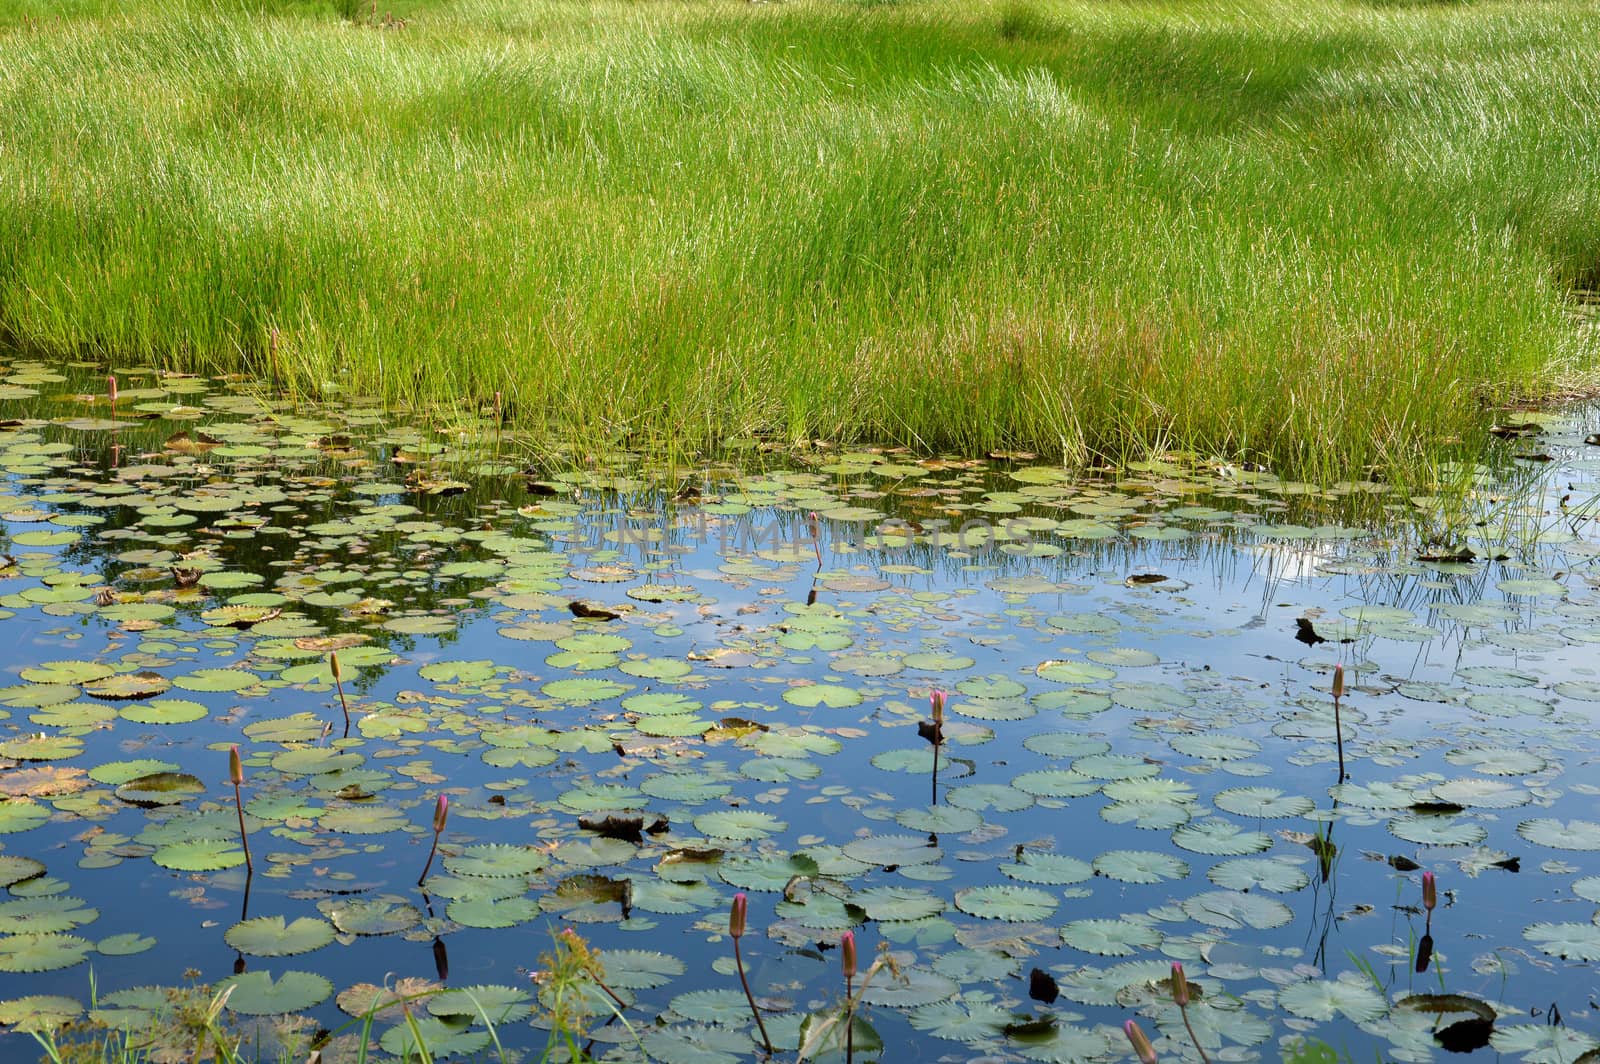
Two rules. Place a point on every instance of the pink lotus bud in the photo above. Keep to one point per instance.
(1430, 892)
(847, 954)
(736, 915)
(235, 767)
(1180, 985)
(1141, 1045)
(936, 704)
(441, 813)
(111, 388)
(1338, 682)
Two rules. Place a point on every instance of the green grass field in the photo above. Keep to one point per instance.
(1319, 232)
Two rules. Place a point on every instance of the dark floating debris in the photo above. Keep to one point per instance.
(584, 611)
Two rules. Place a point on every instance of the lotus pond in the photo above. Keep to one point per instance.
(645, 689)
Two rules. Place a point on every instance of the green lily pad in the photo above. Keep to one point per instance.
(270, 936)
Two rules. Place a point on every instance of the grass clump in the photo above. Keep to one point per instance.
(1322, 233)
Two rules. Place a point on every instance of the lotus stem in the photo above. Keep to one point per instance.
(847, 961)
(736, 921)
(1338, 723)
(338, 683)
(1180, 995)
(236, 776)
(441, 814)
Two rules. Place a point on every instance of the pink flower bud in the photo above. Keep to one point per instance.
(111, 388)
(936, 704)
(847, 954)
(1430, 892)
(736, 915)
(1141, 1045)
(235, 767)
(1180, 985)
(441, 813)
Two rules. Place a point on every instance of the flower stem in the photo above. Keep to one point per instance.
(738, 960)
(244, 838)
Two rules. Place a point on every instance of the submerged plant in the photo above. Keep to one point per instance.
(736, 924)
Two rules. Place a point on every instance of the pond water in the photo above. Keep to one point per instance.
(1139, 758)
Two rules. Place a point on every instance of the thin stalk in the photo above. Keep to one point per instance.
(738, 960)
(1184, 1011)
(244, 836)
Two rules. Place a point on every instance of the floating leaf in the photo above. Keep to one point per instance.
(1015, 904)
(270, 936)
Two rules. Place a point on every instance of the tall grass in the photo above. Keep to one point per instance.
(1318, 232)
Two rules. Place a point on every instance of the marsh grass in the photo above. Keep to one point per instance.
(1323, 233)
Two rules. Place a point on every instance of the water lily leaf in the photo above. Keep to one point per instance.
(692, 1043)
(216, 680)
(1216, 746)
(1047, 869)
(898, 903)
(971, 1021)
(583, 691)
(43, 915)
(165, 711)
(831, 696)
(632, 969)
(1220, 838)
(128, 686)
(442, 1038)
(1233, 910)
(913, 987)
(738, 824)
(124, 945)
(493, 912)
(496, 860)
(496, 1004)
(270, 936)
(1261, 803)
(363, 820)
(771, 873)
(1259, 873)
(1140, 866)
(21, 814)
(161, 788)
(42, 953)
(202, 855)
(1323, 999)
(721, 1005)
(1561, 835)
(371, 916)
(67, 672)
(1573, 942)
(14, 869)
(38, 1012)
(1432, 830)
(1057, 783)
(1015, 904)
(885, 850)
(1110, 938)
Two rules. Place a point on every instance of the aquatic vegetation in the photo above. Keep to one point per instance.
(1028, 738)
(1320, 235)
